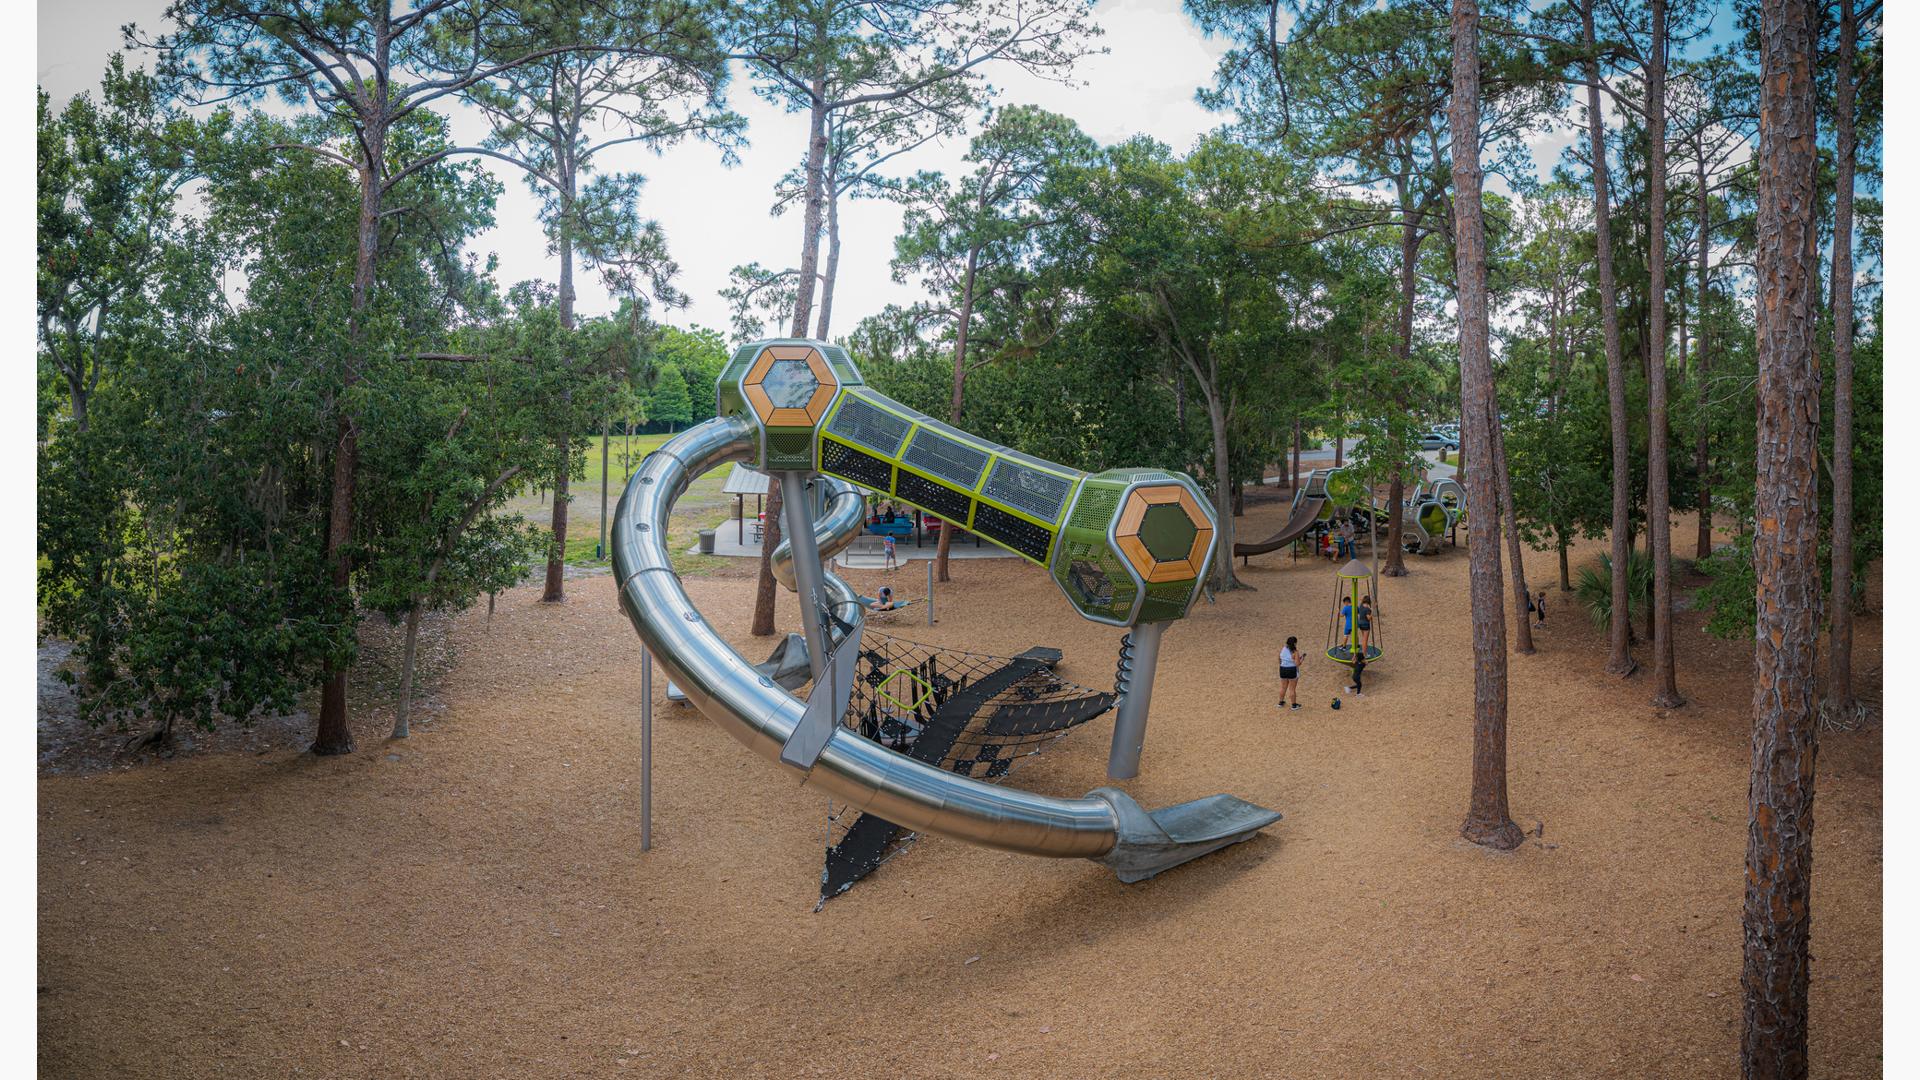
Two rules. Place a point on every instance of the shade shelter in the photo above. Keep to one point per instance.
(742, 482)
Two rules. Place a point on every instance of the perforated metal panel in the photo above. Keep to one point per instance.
(945, 502)
(1095, 508)
(864, 424)
(1166, 601)
(1094, 575)
(789, 450)
(937, 455)
(1028, 490)
(851, 464)
(1016, 533)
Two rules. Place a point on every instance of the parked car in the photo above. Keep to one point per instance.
(1434, 440)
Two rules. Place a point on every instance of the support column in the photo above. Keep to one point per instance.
(1130, 720)
(646, 749)
(797, 512)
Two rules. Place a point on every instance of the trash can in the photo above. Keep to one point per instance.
(706, 541)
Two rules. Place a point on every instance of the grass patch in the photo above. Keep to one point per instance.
(703, 505)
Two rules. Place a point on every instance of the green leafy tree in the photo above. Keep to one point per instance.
(669, 403)
(366, 70)
(108, 174)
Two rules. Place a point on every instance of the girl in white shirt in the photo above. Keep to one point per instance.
(1290, 672)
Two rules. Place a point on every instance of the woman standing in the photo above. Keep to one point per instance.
(1290, 672)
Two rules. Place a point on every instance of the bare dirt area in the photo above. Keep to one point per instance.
(473, 901)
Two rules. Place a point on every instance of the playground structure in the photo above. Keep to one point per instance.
(1316, 506)
(1431, 514)
(1125, 547)
(1353, 585)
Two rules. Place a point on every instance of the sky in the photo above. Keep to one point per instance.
(717, 217)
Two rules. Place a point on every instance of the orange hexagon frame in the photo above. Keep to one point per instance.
(1127, 534)
(816, 406)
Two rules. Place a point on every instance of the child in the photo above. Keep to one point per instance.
(887, 546)
(1290, 672)
(1346, 619)
(1540, 607)
(1359, 669)
(884, 602)
(1366, 621)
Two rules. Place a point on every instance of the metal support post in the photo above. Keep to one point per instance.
(646, 749)
(797, 520)
(1130, 720)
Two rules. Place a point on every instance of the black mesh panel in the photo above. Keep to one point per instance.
(851, 464)
(1022, 536)
(924, 493)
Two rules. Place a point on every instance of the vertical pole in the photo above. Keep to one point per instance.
(929, 592)
(797, 507)
(646, 749)
(1130, 721)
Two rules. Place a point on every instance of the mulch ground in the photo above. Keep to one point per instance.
(473, 901)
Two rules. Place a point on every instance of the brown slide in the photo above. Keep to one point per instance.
(1305, 513)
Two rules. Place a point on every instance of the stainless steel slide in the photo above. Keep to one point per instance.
(1106, 825)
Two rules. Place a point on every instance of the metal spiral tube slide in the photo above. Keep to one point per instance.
(1106, 825)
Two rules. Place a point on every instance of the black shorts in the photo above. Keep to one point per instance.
(1289, 673)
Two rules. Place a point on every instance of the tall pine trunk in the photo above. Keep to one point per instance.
(1402, 352)
(1295, 485)
(1702, 366)
(1620, 632)
(1223, 576)
(810, 223)
(556, 588)
(766, 589)
(1666, 690)
(1840, 702)
(1775, 921)
(1488, 821)
(332, 735)
(1510, 524)
(833, 267)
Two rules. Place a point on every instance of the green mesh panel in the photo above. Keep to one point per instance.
(1094, 511)
(864, 424)
(790, 450)
(1166, 601)
(1095, 577)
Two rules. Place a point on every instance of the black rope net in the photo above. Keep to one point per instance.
(968, 713)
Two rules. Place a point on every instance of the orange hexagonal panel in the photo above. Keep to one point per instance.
(1164, 533)
(789, 386)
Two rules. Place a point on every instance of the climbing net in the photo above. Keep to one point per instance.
(973, 714)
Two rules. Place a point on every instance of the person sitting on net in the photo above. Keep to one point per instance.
(885, 601)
